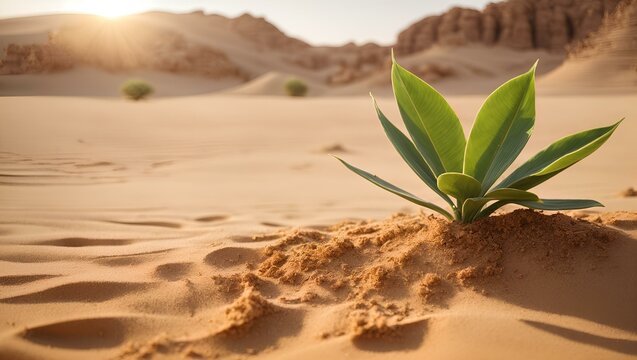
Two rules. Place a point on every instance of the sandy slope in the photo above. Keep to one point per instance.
(606, 60)
(96, 83)
(273, 84)
(215, 32)
(256, 58)
(142, 228)
(473, 67)
(476, 69)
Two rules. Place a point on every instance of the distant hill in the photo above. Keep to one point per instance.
(247, 48)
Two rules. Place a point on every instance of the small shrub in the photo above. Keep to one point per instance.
(295, 87)
(468, 169)
(136, 89)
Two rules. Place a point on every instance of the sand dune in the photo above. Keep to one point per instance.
(88, 82)
(273, 84)
(471, 69)
(464, 70)
(606, 61)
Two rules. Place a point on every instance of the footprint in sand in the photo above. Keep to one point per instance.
(271, 224)
(252, 327)
(625, 224)
(333, 149)
(157, 164)
(81, 242)
(231, 256)
(94, 164)
(212, 218)
(396, 337)
(173, 271)
(12, 280)
(86, 292)
(92, 333)
(166, 224)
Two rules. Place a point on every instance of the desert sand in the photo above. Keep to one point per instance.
(131, 227)
(210, 221)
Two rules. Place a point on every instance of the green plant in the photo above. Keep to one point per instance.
(467, 170)
(136, 89)
(295, 87)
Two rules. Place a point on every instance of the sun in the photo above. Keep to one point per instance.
(111, 9)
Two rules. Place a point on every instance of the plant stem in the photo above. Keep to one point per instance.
(458, 210)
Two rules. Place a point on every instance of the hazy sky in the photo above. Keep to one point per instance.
(316, 21)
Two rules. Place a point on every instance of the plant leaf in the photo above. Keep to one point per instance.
(472, 206)
(511, 194)
(409, 153)
(543, 204)
(558, 157)
(431, 122)
(501, 130)
(459, 185)
(395, 190)
(559, 204)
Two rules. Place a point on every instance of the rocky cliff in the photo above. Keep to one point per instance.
(616, 37)
(519, 24)
(126, 46)
(25, 59)
(264, 34)
(248, 46)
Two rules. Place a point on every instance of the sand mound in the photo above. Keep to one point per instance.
(629, 192)
(385, 285)
(621, 219)
(273, 83)
(242, 313)
(365, 259)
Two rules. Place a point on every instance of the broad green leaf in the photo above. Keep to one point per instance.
(395, 190)
(501, 130)
(543, 204)
(459, 185)
(409, 153)
(431, 122)
(559, 204)
(472, 206)
(511, 194)
(557, 157)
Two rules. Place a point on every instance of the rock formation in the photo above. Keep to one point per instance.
(133, 43)
(519, 24)
(26, 59)
(357, 62)
(261, 32)
(616, 37)
(87, 44)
